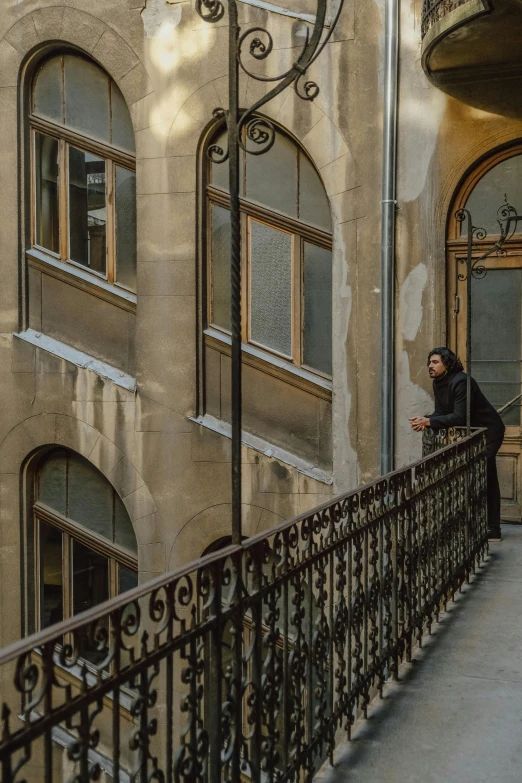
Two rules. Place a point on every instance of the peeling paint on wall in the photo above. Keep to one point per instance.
(411, 301)
(414, 401)
(160, 17)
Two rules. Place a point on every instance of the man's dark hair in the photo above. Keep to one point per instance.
(450, 361)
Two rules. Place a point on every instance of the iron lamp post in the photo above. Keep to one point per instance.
(243, 126)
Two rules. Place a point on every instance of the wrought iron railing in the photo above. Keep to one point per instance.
(434, 10)
(252, 662)
(433, 440)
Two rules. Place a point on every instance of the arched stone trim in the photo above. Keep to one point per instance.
(213, 523)
(460, 173)
(54, 26)
(311, 128)
(46, 429)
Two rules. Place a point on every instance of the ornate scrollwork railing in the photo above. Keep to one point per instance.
(434, 10)
(433, 440)
(253, 661)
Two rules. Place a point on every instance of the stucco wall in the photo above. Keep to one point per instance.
(173, 474)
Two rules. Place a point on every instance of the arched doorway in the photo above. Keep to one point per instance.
(496, 330)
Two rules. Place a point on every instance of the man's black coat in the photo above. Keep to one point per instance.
(450, 406)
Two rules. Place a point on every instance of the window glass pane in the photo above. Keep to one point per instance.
(47, 95)
(271, 178)
(122, 130)
(51, 575)
(495, 337)
(220, 267)
(86, 98)
(219, 172)
(127, 579)
(90, 585)
(46, 196)
(87, 210)
(123, 530)
(51, 482)
(90, 497)
(126, 228)
(313, 202)
(271, 287)
(504, 179)
(317, 327)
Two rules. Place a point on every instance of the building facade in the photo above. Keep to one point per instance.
(115, 347)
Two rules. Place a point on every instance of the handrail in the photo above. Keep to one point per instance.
(51, 634)
(509, 404)
(267, 648)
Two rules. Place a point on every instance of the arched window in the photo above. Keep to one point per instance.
(286, 256)
(503, 180)
(85, 546)
(496, 305)
(84, 183)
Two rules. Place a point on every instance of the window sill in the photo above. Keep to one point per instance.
(64, 739)
(73, 275)
(268, 449)
(80, 359)
(272, 365)
(276, 9)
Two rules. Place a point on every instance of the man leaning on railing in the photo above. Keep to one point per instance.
(449, 388)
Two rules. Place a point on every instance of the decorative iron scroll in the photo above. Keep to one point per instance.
(435, 10)
(256, 659)
(258, 44)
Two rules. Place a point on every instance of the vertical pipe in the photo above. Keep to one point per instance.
(389, 164)
(235, 266)
(469, 267)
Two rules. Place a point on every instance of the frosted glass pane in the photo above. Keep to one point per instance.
(504, 179)
(317, 282)
(87, 210)
(123, 531)
(46, 196)
(271, 178)
(90, 497)
(126, 228)
(47, 96)
(313, 202)
(86, 98)
(220, 267)
(51, 576)
(51, 482)
(122, 130)
(496, 337)
(271, 287)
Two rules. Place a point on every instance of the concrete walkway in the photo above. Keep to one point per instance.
(456, 715)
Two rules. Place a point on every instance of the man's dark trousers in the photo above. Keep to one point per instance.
(493, 486)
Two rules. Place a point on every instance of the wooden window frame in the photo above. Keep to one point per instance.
(456, 248)
(73, 531)
(301, 232)
(112, 157)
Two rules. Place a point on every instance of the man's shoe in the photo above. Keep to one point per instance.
(494, 534)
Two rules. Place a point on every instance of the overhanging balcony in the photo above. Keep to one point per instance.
(471, 49)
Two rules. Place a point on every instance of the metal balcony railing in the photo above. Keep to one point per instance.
(434, 10)
(252, 662)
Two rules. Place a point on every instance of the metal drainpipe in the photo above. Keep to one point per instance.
(389, 163)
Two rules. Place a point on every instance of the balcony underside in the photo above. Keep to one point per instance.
(473, 51)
